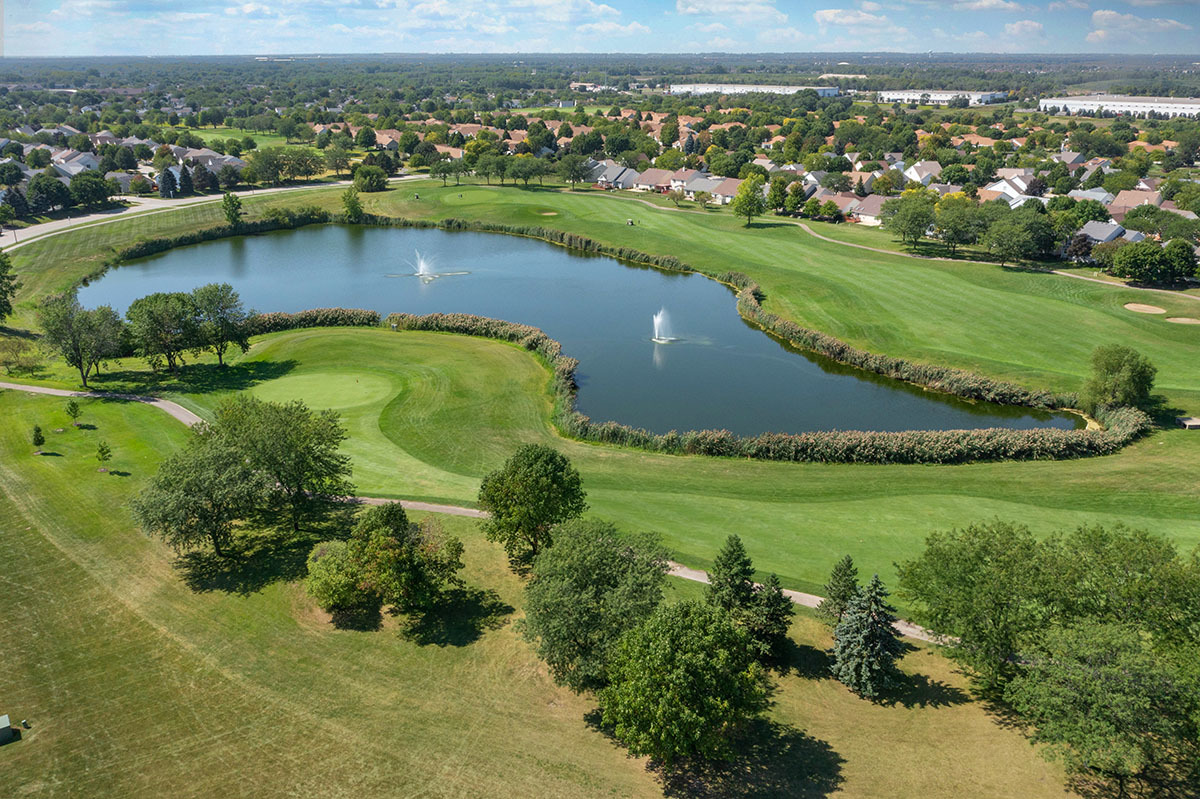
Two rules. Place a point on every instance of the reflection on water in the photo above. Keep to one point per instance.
(724, 373)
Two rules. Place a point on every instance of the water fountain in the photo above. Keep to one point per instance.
(662, 328)
(423, 270)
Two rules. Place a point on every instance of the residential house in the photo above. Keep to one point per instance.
(945, 188)
(1102, 232)
(869, 210)
(726, 190)
(1132, 198)
(1098, 194)
(658, 180)
(923, 172)
(701, 182)
(615, 176)
(681, 177)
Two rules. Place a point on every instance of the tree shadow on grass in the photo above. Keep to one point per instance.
(918, 690)
(460, 618)
(772, 761)
(368, 619)
(250, 564)
(806, 661)
(198, 378)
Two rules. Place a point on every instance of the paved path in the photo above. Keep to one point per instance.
(143, 206)
(189, 418)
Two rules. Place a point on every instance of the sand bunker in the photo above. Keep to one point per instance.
(1183, 320)
(547, 213)
(1137, 307)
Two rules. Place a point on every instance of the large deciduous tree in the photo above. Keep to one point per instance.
(1120, 376)
(221, 318)
(406, 565)
(910, 215)
(749, 201)
(164, 326)
(533, 491)
(682, 684)
(587, 590)
(8, 286)
(200, 492)
(84, 338)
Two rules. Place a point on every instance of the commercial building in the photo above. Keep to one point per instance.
(746, 88)
(939, 97)
(1123, 104)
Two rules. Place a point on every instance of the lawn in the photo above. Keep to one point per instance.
(142, 675)
(261, 138)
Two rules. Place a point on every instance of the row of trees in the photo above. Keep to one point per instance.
(46, 192)
(1090, 636)
(162, 327)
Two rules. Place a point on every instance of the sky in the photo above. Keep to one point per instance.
(218, 27)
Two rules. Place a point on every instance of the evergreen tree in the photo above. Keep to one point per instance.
(841, 588)
(769, 617)
(859, 189)
(16, 200)
(185, 181)
(730, 581)
(865, 644)
(166, 184)
(38, 438)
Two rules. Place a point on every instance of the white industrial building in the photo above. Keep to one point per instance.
(746, 88)
(1124, 104)
(930, 97)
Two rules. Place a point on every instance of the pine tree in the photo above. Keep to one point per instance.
(16, 200)
(859, 189)
(38, 438)
(166, 184)
(185, 181)
(731, 580)
(769, 617)
(865, 644)
(841, 588)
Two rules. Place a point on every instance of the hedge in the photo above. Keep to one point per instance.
(315, 317)
(1122, 425)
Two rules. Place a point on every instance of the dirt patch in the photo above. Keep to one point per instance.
(547, 213)
(1184, 320)
(1137, 307)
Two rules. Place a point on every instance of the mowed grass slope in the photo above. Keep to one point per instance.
(141, 678)
(429, 414)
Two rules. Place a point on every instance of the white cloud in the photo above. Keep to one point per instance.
(250, 10)
(849, 17)
(869, 5)
(1109, 25)
(1066, 5)
(722, 43)
(783, 36)
(987, 5)
(610, 28)
(1025, 28)
(82, 8)
(757, 10)
(708, 27)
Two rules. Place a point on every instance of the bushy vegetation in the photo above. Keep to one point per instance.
(1090, 635)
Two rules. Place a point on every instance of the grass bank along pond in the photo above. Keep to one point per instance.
(658, 350)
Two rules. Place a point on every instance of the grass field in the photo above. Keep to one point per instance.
(261, 139)
(143, 676)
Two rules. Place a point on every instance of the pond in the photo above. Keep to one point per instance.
(708, 370)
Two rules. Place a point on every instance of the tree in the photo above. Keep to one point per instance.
(1121, 376)
(228, 177)
(333, 579)
(587, 590)
(841, 588)
(46, 193)
(1114, 712)
(525, 169)
(1180, 257)
(103, 453)
(703, 199)
(1080, 248)
(731, 578)
(866, 645)
(163, 326)
(573, 168)
(85, 339)
(441, 169)
(73, 411)
(748, 201)
(11, 174)
(370, 178)
(536, 489)
(830, 210)
(337, 159)
(222, 319)
(200, 492)
(676, 196)
(365, 137)
(37, 438)
(1146, 262)
(352, 205)
(16, 202)
(268, 165)
(1008, 240)
(978, 584)
(682, 684)
(297, 448)
(302, 162)
(186, 187)
(910, 215)
(956, 220)
(406, 565)
(8, 286)
(777, 193)
(769, 617)
(166, 184)
(231, 207)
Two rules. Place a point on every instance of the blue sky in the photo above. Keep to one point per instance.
(194, 27)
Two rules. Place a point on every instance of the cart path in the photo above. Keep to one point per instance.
(189, 418)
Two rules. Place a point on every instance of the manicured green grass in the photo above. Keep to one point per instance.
(261, 139)
(142, 678)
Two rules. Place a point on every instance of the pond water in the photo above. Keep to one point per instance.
(709, 369)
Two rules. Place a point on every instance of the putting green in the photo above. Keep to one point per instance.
(339, 391)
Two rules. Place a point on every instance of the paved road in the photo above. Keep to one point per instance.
(173, 408)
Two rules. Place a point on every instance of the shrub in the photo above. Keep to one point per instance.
(314, 317)
(1121, 376)
(370, 178)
